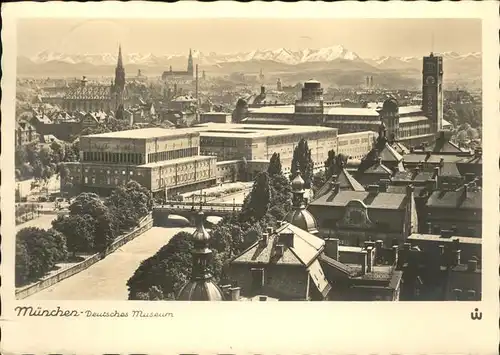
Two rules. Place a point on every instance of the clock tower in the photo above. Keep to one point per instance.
(432, 91)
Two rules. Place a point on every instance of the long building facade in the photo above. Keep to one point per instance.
(167, 162)
(411, 125)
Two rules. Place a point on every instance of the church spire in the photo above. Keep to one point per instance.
(190, 68)
(120, 61)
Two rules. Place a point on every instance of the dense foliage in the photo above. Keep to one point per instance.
(93, 224)
(37, 252)
(302, 162)
(42, 161)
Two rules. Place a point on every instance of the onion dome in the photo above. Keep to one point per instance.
(201, 287)
(298, 184)
(299, 216)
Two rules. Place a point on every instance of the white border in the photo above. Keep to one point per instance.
(248, 327)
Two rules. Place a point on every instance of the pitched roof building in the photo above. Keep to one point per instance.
(357, 216)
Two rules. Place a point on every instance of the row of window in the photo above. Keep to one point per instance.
(108, 171)
(172, 154)
(179, 179)
(116, 158)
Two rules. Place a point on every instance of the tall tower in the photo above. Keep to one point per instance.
(118, 89)
(190, 63)
(119, 73)
(432, 91)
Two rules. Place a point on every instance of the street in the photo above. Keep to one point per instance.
(107, 279)
(44, 222)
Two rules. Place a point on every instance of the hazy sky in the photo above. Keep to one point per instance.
(366, 37)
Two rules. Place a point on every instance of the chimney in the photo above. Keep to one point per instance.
(441, 162)
(226, 291)
(441, 249)
(395, 253)
(384, 183)
(472, 265)
(429, 227)
(456, 257)
(332, 248)
(264, 240)
(364, 258)
(373, 189)
(235, 293)
(370, 251)
(471, 295)
(262, 90)
(270, 231)
(280, 249)
(457, 293)
(379, 244)
(409, 190)
(436, 172)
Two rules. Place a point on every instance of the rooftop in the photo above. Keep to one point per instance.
(470, 199)
(436, 237)
(176, 161)
(255, 130)
(380, 200)
(145, 133)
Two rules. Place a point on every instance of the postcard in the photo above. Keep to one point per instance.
(230, 178)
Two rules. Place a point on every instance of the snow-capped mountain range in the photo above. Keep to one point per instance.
(280, 55)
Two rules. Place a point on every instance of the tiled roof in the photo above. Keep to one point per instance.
(89, 93)
(456, 199)
(381, 200)
(388, 153)
(378, 168)
(305, 249)
(337, 265)
(449, 169)
(346, 181)
(417, 157)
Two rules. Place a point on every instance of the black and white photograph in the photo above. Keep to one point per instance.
(248, 159)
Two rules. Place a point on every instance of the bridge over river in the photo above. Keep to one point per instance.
(189, 210)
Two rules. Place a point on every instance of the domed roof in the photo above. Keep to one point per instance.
(298, 184)
(302, 219)
(390, 105)
(201, 290)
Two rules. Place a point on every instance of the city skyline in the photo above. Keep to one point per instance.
(392, 37)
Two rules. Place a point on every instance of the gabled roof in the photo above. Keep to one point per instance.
(99, 92)
(346, 181)
(378, 168)
(306, 248)
(380, 200)
(388, 153)
(472, 199)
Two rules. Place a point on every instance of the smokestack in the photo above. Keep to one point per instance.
(332, 248)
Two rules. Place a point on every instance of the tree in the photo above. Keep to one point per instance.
(169, 269)
(257, 202)
(274, 165)
(105, 229)
(240, 112)
(302, 162)
(87, 203)
(22, 263)
(44, 248)
(319, 179)
(78, 230)
(330, 164)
